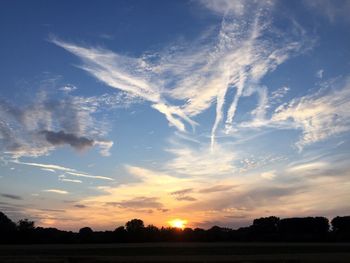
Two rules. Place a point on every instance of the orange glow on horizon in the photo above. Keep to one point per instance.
(178, 223)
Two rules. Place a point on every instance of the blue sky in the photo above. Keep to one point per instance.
(216, 112)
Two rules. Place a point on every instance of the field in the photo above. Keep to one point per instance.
(177, 252)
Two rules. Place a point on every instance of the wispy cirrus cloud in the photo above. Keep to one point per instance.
(202, 160)
(225, 6)
(127, 74)
(217, 188)
(63, 179)
(68, 88)
(56, 191)
(237, 7)
(234, 58)
(66, 170)
(333, 10)
(269, 175)
(11, 196)
(319, 115)
(138, 202)
(183, 195)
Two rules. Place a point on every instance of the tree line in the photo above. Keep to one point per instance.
(269, 229)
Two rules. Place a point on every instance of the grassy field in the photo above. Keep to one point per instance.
(177, 252)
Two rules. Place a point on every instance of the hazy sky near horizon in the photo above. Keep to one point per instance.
(212, 111)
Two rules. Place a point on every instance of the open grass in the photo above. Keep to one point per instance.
(178, 252)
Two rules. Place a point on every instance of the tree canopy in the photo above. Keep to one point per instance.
(303, 229)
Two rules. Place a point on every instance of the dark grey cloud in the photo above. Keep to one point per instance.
(80, 206)
(181, 195)
(264, 196)
(11, 196)
(182, 192)
(216, 188)
(236, 216)
(138, 202)
(53, 210)
(61, 138)
(248, 199)
(185, 198)
(41, 125)
(69, 201)
(164, 210)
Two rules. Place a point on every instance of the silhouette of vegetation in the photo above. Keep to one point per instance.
(341, 228)
(266, 229)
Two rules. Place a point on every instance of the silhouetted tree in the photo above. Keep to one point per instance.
(135, 229)
(242, 234)
(217, 233)
(188, 234)
(7, 229)
(304, 229)
(266, 224)
(25, 225)
(265, 228)
(120, 234)
(199, 234)
(26, 230)
(86, 234)
(134, 225)
(341, 228)
(152, 233)
(169, 234)
(53, 235)
(341, 223)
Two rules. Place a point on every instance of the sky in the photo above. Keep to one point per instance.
(214, 112)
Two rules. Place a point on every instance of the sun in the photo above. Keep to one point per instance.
(178, 223)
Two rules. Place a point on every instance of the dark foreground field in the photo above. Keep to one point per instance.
(178, 252)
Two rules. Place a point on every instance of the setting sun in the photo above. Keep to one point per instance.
(178, 223)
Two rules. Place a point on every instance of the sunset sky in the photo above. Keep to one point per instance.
(212, 112)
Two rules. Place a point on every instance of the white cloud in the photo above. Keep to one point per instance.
(195, 75)
(56, 191)
(319, 73)
(70, 180)
(202, 161)
(105, 147)
(306, 168)
(237, 7)
(278, 94)
(79, 174)
(48, 170)
(68, 88)
(54, 167)
(319, 116)
(268, 175)
(127, 74)
(333, 10)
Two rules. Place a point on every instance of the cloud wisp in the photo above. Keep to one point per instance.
(126, 74)
(11, 196)
(66, 170)
(56, 191)
(234, 59)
